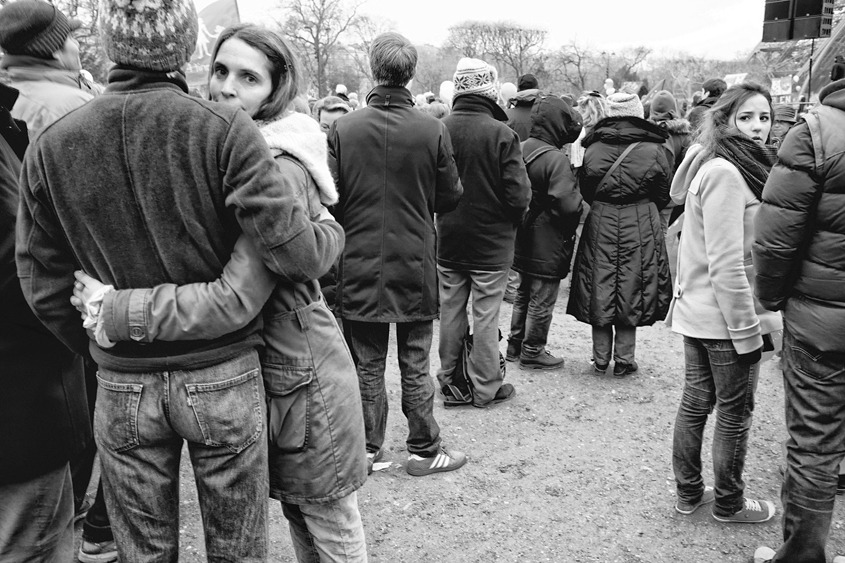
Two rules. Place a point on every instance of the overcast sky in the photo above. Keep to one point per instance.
(712, 28)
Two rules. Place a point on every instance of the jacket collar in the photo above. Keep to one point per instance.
(126, 79)
(625, 130)
(32, 69)
(473, 103)
(390, 96)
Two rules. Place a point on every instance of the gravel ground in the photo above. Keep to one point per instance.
(577, 468)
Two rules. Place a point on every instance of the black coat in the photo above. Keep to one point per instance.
(546, 239)
(621, 273)
(799, 256)
(479, 234)
(394, 169)
(43, 407)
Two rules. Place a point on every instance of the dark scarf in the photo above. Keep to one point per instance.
(753, 160)
(122, 78)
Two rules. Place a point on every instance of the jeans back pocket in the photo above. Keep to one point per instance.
(116, 414)
(289, 405)
(229, 412)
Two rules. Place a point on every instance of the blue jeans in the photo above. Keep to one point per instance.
(814, 390)
(488, 290)
(36, 519)
(714, 378)
(140, 423)
(532, 314)
(329, 532)
(413, 342)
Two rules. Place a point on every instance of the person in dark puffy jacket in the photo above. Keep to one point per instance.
(621, 276)
(664, 112)
(799, 262)
(546, 239)
(519, 116)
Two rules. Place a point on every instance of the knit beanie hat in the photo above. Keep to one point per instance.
(663, 107)
(624, 104)
(34, 28)
(159, 35)
(474, 76)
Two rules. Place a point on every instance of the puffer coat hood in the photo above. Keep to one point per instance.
(555, 122)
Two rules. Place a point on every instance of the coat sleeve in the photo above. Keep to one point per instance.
(661, 182)
(448, 189)
(723, 201)
(565, 199)
(45, 261)
(515, 183)
(782, 223)
(267, 208)
(197, 311)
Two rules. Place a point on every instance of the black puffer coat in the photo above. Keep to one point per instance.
(621, 273)
(546, 239)
(799, 256)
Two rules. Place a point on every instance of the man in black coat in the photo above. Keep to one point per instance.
(475, 242)
(43, 408)
(394, 169)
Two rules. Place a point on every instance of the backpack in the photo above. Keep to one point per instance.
(461, 391)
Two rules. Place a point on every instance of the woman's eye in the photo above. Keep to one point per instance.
(219, 72)
(250, 79)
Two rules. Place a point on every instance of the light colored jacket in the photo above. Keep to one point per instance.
(46, 94)
(713, 297)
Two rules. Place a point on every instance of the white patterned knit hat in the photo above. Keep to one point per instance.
(474, 76)
(158, 35)
(624, 104)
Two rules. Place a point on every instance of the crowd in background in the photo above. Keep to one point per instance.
(223, 273)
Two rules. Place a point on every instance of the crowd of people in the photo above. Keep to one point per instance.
(221, 272)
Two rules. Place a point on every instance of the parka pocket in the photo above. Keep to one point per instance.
(289, 405)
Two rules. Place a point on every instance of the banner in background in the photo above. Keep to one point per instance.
(213, 19)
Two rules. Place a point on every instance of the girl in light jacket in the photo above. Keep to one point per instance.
(316, 428)
(724, 326)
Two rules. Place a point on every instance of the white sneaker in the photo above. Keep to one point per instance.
(764, 554)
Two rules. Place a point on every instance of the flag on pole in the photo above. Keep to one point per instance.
(213, 19)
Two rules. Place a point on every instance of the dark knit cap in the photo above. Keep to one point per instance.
(526, 82)
(158, 35)
(34, 28)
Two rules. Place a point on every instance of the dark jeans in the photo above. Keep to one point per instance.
(413, 341)
(814, 388)
(714, 378)
(532, 314)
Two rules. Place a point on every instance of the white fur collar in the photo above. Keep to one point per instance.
(300, 136)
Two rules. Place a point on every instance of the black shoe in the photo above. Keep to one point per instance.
(505, 393)
(599, 368)
(621, 370)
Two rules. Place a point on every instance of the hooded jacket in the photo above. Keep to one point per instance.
(394, 169)
(479, 234)
(621, 273)
(713, 297)
(798, 250)
(519, 116)
(546, 239)
(696, 114)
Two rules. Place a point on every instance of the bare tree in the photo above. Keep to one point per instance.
(91, 52)
(317, 27)
(577, 65)
(470, 38)
(516, 46)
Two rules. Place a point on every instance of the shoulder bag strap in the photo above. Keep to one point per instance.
(533, 156)
(616, 164)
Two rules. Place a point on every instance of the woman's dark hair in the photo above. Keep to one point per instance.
(716, 124)
(284, 68)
